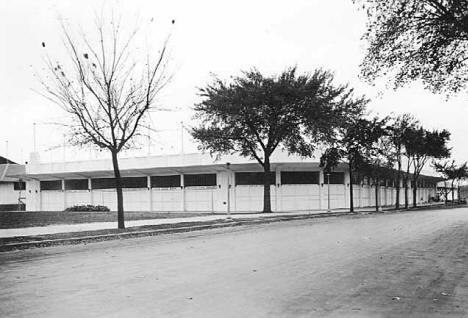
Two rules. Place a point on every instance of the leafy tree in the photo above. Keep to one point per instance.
(397, 131)
(254, 114)
(423, 40)
(453, 173)
(106, 90)
(422, 145)
(355, 142)
(379, 168)
(380, 160)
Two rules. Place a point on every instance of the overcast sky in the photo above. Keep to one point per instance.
(209, 37)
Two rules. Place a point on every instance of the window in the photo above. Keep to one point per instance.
(103, 183)
(51, 185)
(196, 180)
(299, 177)
(253, 178)
(335, 178)
(134, 182)
(76, 184)
(127, 182)
(19, 186)
(171, 181)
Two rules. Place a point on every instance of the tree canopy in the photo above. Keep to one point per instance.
(398, 131)
(422, 145)
(255, 114)
(451, 172)
(356, 142)
(423, 40)
(106, 89)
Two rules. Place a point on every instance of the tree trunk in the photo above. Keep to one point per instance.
(266, 187)
(118, 187)
(406, 185)
(397, 186)
(415, 191)
(406, 193)
(377, 195)
(453, 194)
(445, 193)
(351, 199)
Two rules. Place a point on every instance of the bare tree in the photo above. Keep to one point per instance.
(106, 90)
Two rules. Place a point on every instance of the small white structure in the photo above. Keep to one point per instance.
(199, 183)
(12, 189)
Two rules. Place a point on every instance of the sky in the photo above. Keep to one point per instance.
(208, 37)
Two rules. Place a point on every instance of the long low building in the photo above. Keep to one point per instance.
(199, 183)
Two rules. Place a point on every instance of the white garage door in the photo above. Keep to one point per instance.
(299, 197)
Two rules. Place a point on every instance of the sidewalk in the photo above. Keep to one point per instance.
(82, 227)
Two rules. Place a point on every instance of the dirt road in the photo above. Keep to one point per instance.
(394, 265)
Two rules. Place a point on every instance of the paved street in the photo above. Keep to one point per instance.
(395, 265)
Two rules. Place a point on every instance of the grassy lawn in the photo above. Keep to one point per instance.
(10, 220)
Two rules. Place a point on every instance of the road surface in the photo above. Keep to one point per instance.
(395, 265)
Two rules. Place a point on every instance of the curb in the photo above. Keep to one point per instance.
(154, 232)
(199, 227)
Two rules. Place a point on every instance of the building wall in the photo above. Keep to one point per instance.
(7, 193)
(214, 198)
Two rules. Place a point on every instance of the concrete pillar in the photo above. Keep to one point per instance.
(278, 192)
(150, 193)
(183, 192)
(347, 184)
(321, 190)
(226, 192)
(33, 195)
(64, 195)
(233, 191)
(90, 189)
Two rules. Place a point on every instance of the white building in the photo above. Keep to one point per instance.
(198, 182)
(12, 188)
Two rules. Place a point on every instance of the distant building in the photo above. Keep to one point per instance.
(445, 190)
(199, 183)
(12, 186)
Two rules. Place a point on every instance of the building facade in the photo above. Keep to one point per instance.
(12, 187)
(199, 183)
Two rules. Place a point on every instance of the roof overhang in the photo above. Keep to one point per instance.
(212, 168)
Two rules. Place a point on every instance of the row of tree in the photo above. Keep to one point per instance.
(253, 115)
(108, 93)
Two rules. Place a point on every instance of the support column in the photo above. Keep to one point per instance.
(64, 195)
(183, 192)
(321, 189)
(234, 192)
(33, 195)
(347, 184)
(278, 191)
(90, 189)
(361, 187)
(150, 193)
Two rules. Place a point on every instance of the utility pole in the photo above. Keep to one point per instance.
(182, 137)
(149, 139)
(34, 136)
